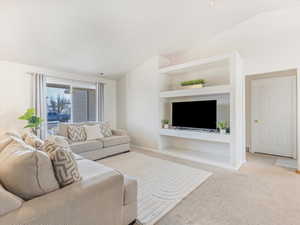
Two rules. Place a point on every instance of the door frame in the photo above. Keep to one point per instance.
(248, 81)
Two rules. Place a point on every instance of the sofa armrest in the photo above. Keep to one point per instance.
(96, 200)
(119, 132)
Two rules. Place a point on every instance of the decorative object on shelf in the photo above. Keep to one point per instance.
(199, 83)
(165, 124)
(222, 125)
(34, 121)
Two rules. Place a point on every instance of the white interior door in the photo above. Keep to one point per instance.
(273, 116)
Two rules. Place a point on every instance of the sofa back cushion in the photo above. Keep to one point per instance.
(64, 163)
(76, 133)
(26, 172)
(9, 201)
(93, 132)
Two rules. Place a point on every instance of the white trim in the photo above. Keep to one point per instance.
(298, 119)
(211, 90)
(73, 83)
(144, 148)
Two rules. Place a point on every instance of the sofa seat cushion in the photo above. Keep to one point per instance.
(130, 190)
(77, 157)
(86, 146)
(115, 140)
(9, 202)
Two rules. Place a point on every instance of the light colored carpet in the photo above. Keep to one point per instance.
(161, 184)
(286, 162)
(261, 193)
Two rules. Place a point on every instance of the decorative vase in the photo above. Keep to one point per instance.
(222, 131)
(166, 126)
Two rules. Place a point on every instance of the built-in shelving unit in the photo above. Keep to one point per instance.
(225, 83)
(196, 135)
(213, 90)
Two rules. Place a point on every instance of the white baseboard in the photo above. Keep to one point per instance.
(144, 148)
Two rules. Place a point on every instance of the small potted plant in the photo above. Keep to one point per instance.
(222, 125)
(199, 83)
(165, 123)
(33, 121)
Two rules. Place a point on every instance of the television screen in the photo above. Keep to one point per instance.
(196, 114)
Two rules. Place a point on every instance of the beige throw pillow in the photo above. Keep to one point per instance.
(64, 163)
(93, 132)
(105, 129)
(33, 141)
(5, 142)
(60, 140)
(76, 133)
(26, 172)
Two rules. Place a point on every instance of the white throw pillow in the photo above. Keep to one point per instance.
(93, 132)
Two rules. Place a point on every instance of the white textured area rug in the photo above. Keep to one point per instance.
(161, 184)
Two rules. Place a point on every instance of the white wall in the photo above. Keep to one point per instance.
(16, 90)
(142, 103)
(267, 42)
(122, 103)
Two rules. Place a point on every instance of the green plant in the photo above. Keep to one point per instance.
(33, 121)
(192, 82)
(165, 122)
(222, 125)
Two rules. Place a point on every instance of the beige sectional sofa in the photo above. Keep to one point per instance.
(100, 148)
(104, 196)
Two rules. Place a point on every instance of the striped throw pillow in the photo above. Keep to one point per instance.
(76, 133)
(64, 163)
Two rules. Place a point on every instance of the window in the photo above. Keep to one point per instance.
(66, 103)
(84, 104)
(58, 105)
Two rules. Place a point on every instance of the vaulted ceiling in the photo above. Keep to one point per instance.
(113, 36)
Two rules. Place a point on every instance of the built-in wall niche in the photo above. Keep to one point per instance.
(224, 83)
(214, 74)
(214, 153)
(223, 105)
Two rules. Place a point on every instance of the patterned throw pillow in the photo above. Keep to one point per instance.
(105, 129)
(76, 133)
(64, 163)
(33, 141)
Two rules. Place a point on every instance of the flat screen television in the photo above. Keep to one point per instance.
(195, 114)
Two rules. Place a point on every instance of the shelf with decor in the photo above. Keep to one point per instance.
(216, 79)
(211, 90)
(196, 135)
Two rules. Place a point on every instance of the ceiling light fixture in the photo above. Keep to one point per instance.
(212, 3)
